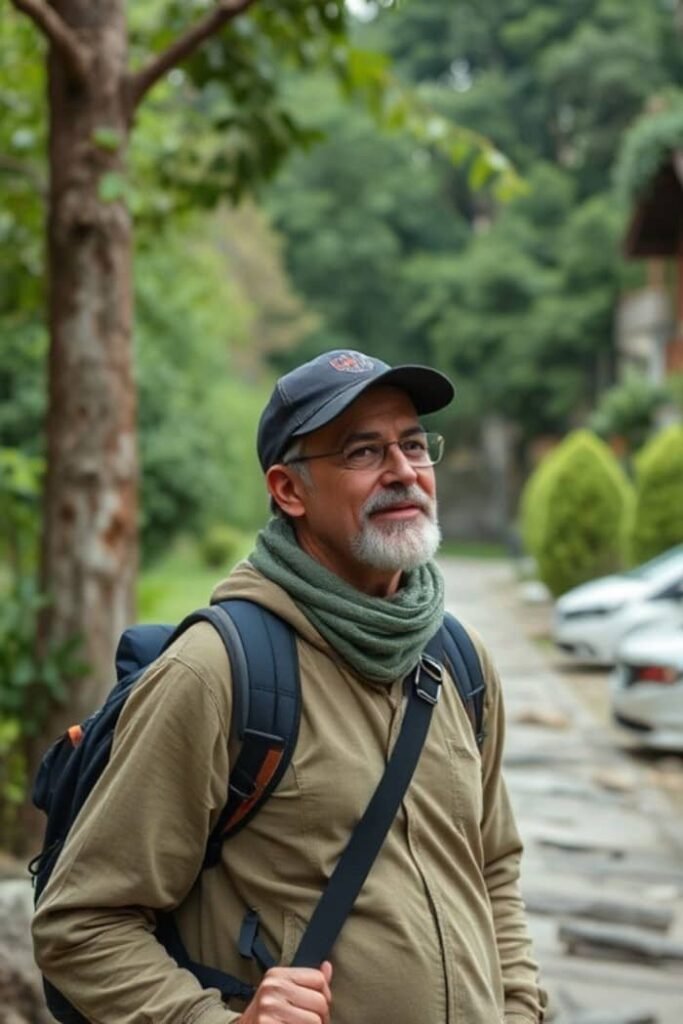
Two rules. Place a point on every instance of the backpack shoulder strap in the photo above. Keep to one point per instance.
(263, 658)
(339, 895)
(464, 661)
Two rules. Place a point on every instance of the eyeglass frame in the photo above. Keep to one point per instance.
(385, 445)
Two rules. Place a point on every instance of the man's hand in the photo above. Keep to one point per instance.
(291, 995)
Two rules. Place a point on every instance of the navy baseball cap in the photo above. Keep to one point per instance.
(316, 392)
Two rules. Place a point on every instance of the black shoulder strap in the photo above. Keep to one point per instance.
(366, 840)
(469, 679)
(264, 667)
(266, 709)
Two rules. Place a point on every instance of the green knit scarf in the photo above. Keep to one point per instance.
(381, 638)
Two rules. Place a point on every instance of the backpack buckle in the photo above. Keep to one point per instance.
(428, 679)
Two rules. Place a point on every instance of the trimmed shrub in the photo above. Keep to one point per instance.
(221, 546)
(533, 504)
(586, 507)
(658, 519)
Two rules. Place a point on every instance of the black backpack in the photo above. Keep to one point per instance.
(262, 651)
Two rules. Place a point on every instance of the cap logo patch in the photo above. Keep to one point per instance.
(351, 362)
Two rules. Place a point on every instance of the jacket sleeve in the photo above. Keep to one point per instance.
(524, 999)
(137, 847)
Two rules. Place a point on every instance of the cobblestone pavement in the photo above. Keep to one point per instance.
(603, 867)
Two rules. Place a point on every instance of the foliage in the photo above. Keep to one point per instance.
(575, 74)
(674, 385)
(388, 243)
(353, 213)
(227, 98)
(658, 519)
(13, 781)
(178, 582)
(650, 142)
(23, 181)
(628, 410)
(31, 681)
(221, 545)
(587, 510)
(533, 504)
(20, 477)
(30, 678)
(200, 385)
(524, 320)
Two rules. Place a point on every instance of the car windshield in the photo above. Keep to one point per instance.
(668, 564)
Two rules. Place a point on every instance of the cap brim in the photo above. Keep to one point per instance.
(428, 390)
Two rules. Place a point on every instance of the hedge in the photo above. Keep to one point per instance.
(658, 519)
(578, 512)
(533, 504)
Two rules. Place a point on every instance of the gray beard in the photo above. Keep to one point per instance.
(398, 546)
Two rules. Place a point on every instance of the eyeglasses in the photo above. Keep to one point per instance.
(420, 450)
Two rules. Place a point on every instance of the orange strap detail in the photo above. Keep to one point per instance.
(267, 771)
(75, 734)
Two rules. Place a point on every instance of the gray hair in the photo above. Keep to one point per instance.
(293, 451)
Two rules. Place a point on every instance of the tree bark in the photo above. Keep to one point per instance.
(89, 558)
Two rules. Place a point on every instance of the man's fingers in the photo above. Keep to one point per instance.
(303, 987)
(326, 968)
(291, 995)
(305, 977)
(275, 1007)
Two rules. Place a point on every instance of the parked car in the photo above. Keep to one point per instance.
(647, 688)
(592, 620)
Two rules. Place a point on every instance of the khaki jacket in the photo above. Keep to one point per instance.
(437, 934)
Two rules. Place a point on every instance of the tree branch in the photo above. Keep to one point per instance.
(61, 35)
(142, 81)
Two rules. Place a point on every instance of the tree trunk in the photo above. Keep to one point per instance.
(89, 557)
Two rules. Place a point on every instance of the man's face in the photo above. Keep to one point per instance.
(368, 525)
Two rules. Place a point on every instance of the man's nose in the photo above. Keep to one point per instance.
(397, 466)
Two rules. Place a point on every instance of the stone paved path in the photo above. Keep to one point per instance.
(593, 825)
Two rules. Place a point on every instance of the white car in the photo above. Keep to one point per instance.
(647, 688)
(592, 620)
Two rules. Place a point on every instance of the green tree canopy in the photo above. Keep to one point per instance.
(398, 254)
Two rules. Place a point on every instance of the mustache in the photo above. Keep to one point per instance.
(398, 496)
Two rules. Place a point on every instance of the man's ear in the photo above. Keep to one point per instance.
(287, 490)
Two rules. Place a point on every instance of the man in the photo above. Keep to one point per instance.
(437, 933)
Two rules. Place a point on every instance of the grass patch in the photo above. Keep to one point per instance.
(179, 583)
(473, 549)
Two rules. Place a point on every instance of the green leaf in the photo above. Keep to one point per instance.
(459, 150)
(107, 139)
(481, 170)
(112, 187)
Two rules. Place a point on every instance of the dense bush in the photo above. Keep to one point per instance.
(31, 679)
(658, 519)
(221, 546)
(584, 505)
(197, 414)
(13, 780)
(533, 505)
